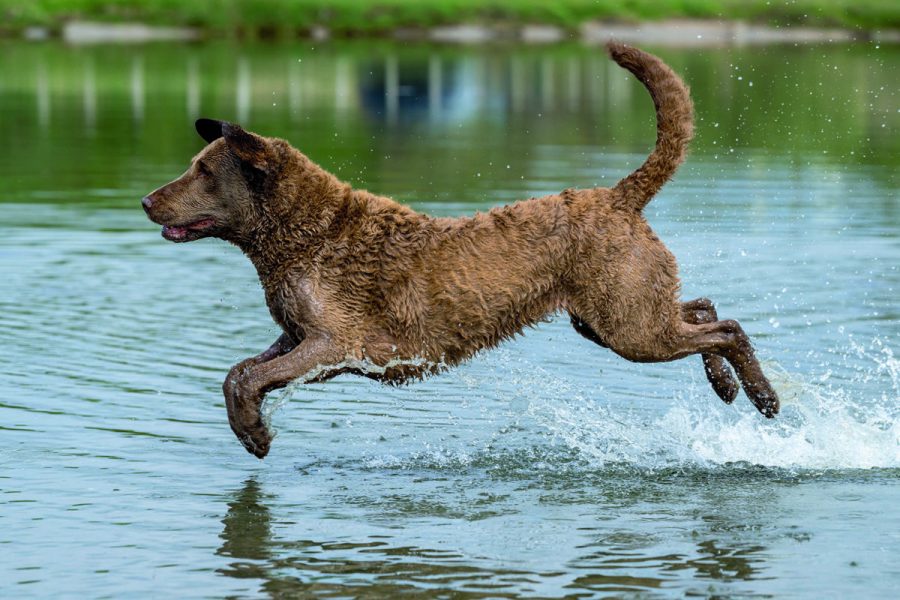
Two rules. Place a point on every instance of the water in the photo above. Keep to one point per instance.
(547, 468)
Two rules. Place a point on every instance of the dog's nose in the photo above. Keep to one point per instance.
(147, 203)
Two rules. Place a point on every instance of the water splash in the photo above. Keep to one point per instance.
(820, 426)
(271, 405)
(828, 422)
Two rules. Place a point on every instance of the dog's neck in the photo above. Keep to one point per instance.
(302, 209)
(296, 214)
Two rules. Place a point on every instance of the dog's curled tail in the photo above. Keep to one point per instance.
(674, 124)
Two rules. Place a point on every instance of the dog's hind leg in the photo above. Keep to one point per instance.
(698, 312)
(724, 338)
(727, 338)
(695, 312)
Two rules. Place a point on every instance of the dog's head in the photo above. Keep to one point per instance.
(215, 196)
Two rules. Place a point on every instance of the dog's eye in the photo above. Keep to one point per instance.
(203, 169)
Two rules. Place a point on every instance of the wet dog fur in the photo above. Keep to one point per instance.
(356, 279)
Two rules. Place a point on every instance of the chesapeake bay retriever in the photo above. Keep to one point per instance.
(359, 283)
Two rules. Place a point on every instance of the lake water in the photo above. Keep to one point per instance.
(547, 468)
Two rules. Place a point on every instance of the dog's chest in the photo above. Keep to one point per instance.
(293, 305)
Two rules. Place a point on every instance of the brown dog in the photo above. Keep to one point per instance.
(362, 284)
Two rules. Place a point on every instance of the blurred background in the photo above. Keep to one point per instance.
(388, 18)
(546, 468)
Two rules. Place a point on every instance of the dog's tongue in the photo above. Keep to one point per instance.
(174, 233)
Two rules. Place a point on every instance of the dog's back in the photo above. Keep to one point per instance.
(475, 281)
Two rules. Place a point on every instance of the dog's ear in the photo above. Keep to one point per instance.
(252, 149)
(209, 129)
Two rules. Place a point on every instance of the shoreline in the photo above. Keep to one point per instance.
(668, 32)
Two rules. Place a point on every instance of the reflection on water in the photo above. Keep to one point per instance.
(546, 468)
(260, 85)
(609, 560)
(306, 566)
(430, 86)
(382, 100)
(247, 533)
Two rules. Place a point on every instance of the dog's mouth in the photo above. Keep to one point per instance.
(189, 232)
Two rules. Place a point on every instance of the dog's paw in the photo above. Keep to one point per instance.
(765, 399)
(770, 408)
(258, 442)
(243, 401)
(254, 436)
(727, 390)
(721, 378)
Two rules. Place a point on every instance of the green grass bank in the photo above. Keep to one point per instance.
(347, 18)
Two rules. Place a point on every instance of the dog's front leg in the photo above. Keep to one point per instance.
(282, 346)
(249, 381)
(240, 371)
